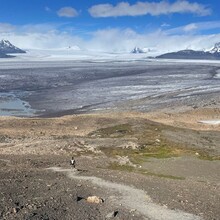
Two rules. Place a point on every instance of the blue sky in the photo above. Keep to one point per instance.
(110, 25)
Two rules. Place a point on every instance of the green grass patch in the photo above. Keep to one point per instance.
(206, 156)
(151, 141)
(127, 168)
(116, 166)
(133, 155)
(116, 131)
(141, 155)
(160, 152)
(163, 175)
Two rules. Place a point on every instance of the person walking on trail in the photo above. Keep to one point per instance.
(73, 162)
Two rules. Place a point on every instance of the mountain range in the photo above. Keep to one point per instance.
(7, 48)
(211, 54)
(141, 50)
(137, 50)
(215, 49)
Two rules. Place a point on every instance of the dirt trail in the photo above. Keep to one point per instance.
(132, 198)
(177, 167)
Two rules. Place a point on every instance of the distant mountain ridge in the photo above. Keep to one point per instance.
(7, 48)
(215, 49)
(212, 54)
(137, 50)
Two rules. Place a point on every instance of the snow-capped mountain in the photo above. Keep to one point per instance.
(6, 47)
(187, 54)
(137, 50)
(143, 50)
(212, 54)
(215, 49)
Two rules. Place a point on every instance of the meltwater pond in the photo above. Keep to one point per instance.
(10, 105)
(65, 87)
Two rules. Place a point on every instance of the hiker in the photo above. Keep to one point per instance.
(73, 162)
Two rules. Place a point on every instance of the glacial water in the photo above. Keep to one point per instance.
(10, 105)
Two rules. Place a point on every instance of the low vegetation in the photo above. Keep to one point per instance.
(116, 131)
(127, 168)
(150, 144)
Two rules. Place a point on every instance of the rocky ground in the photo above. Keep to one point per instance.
(139, 168)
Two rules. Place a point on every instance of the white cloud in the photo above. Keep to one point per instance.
(152, 8)
(50, 36)
(68, 12)
(42, 40)
(113, 40)
(195, 27)
(5, 27)
(165, 25)
(38, 36)
(118, 40)
(190, 27)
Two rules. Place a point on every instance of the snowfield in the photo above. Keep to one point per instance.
(76, 54)
(210, 122)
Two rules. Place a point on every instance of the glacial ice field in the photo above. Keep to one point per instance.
(37, 88)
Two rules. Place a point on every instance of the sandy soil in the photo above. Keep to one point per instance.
(178, 181)
(189, 119)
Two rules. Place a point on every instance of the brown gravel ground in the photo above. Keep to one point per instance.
(166, 163)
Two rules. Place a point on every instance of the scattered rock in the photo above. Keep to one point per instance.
(158, 140)
(124, 160)
(130, 145)
(94, 199)
(93, 150)
(111, 215)
(15, 210)
(78, 198)
(29, 206)
(33, 206)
